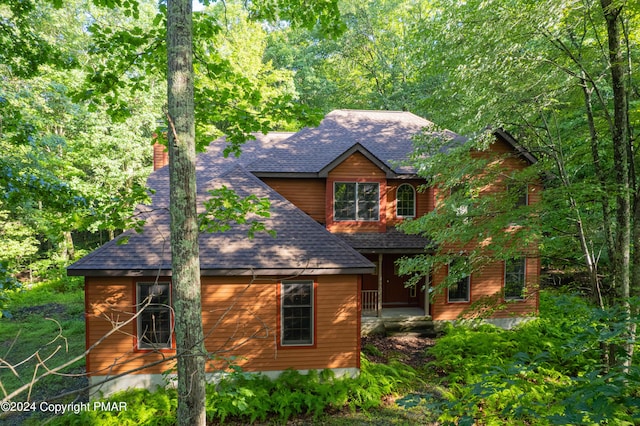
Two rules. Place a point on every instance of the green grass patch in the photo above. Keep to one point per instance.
(46, 327)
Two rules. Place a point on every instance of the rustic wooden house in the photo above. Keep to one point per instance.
(296, 300)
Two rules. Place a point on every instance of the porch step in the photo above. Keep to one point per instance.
(420, 326)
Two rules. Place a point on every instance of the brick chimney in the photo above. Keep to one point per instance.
(160, 156)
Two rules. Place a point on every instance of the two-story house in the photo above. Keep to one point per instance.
(296, 299)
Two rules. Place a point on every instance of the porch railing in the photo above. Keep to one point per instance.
(370, 302)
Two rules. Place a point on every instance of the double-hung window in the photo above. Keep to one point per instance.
(356, 201)
(154, 322)
(514, 279)
(296, 313)
(460, 291)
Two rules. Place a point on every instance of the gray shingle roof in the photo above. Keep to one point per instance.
(301, 245)
(392, 241)
(388, 135)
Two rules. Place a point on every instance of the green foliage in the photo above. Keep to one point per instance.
(144, 407)
(67, 165)
(247, 398)
(477, 219)
(7, 283)
(369, 66)
(226, 208)
(546, 371)
(323, 15)
(254, 397)
(370, 349)
(48, 321)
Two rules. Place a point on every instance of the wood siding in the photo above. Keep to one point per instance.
(356, 168)
(110, 302)
(240, 320)
(306, 194)
(487, 294)
(487, 285)
(424, 199)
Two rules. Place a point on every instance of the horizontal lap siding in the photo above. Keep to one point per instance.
(424, 199)
(255, 314)
(487, 285)
(356, 166)
(487, 294)
(239, 320)
(110, 301)
(306, 194)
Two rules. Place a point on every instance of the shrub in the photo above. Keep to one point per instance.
(146, 408)
(249, 397)
(547, 371)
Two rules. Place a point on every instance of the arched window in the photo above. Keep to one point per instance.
(405, 201)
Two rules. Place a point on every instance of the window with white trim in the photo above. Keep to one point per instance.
(154, 322)
(356, 201)
(405, 201)
(514, 278)
(296, 313)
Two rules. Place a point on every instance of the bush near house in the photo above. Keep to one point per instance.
(547, 371)
(248, 397)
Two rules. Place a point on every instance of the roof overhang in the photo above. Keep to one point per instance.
(392, 250)
(246, 272)
(298, 175)
(509, 139)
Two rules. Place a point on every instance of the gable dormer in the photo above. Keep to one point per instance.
(356, 193)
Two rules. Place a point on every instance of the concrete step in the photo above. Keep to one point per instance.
(422, 326)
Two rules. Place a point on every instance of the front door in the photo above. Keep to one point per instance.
(394, 291)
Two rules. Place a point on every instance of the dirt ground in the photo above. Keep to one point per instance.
(407, 349)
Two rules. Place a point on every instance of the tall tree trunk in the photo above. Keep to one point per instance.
(184, 226)
(621, 155)
(68, 248)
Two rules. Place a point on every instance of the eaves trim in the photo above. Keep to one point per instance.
(244, 272)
